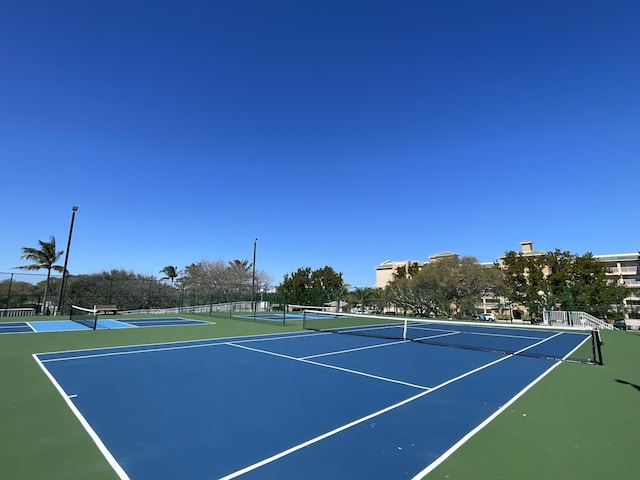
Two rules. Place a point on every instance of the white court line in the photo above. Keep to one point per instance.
(130, 352)
(380, 412)
(577, 347)
(170, 346)
(12, 325)
(179, 343)
(349, 350)
(283, 337)
(438, 336)
(355, 422)
(83, 421)
(123, 475)
(487, 334)
(526, 337)
(333, 367)
(471, 433)
(7, 327)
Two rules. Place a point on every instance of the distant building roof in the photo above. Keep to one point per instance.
(622, 257)
(442, 255)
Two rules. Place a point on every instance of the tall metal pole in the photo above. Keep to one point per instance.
(74, 209)
(253, 281)
(9, 294)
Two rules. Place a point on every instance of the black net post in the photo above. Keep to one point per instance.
(596, 344)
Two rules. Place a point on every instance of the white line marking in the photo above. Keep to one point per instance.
(470, 434)
(355, 422)
(338, 352)
(486, 334)
(123, 350)
(128, 352)
(178, 345)
(94, 436)
(577, 347)
(437, 336)
(333, 367)
(375, 414)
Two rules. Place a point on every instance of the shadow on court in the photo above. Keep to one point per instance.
(637, 387)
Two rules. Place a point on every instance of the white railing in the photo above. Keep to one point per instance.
(574, 319)
(17, 312)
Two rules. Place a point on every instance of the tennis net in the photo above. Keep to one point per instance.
(570, 345)
(84, 316)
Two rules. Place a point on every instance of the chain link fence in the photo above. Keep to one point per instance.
(31, 294)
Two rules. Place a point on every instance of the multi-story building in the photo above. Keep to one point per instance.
(385, 271)
(624, 268)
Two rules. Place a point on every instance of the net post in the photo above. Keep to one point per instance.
(85, 316)
(404, 329)
(596, 346)
(284, 310)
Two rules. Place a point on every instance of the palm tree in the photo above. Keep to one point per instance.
(170, 272)
(240, 266)
(43, 258)
(239, 275)
(363, 296)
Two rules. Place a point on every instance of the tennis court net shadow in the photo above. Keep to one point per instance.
(637, 387)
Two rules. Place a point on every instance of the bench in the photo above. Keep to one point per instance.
(106, 309)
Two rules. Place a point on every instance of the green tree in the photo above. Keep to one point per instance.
(239, 272)
(523, 277)
(19, 294)
(311, 287)
(472, 282)
(127, 290)
(407, 271)
(380, 298)
(363, 297)
(43, 258)
(560, 280)
(446, 286)
(343, 297)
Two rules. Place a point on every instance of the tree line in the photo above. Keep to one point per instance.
(202, 282)
(454, 287)
(450, 286)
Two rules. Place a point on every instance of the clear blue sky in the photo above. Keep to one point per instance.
(340, 133)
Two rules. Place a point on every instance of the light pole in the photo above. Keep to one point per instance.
(567, 292)
(253, 281)
(8, 294)
(74, 209)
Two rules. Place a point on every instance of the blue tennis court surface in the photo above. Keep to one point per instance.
(304, 405)
(273, 317)
(15, 327)
(68, 325)
(161, 321)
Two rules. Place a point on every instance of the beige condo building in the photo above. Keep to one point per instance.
(623, 268)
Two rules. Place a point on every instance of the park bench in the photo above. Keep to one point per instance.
(106, 309)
